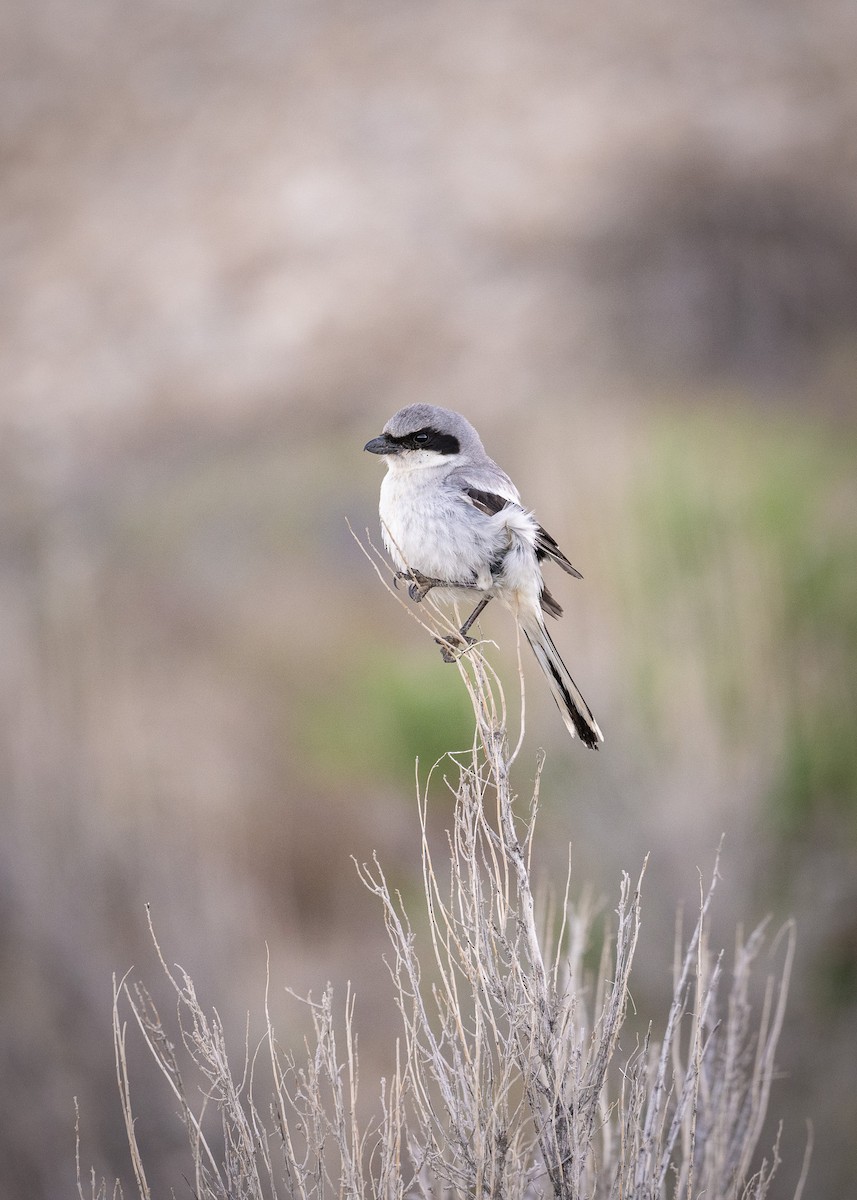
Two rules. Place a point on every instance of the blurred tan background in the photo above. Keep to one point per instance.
(234, 239)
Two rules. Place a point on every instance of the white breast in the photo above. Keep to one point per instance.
(429, 528)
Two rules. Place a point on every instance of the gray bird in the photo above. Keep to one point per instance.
(452, 520)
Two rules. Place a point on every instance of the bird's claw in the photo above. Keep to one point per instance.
(454, 645)
(420, 585)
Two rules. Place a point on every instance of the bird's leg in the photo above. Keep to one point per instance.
(477, 610)
(421, 585)
(445, 651)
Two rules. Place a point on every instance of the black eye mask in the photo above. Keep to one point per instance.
(427, 439)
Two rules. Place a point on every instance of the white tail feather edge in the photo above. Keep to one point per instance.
(574, 710)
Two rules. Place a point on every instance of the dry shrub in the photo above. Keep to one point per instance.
(509, 1083)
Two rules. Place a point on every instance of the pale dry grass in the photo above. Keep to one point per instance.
(510, 1080)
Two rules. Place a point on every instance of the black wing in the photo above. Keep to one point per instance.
(546, 547)
(487, 502)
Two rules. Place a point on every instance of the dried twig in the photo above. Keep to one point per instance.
(507, 1084)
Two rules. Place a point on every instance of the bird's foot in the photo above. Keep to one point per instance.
(420, 585)
(454, 645)
(418, 591)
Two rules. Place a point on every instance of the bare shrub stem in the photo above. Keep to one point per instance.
(509, 1081)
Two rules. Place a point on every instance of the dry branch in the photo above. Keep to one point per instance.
(507, 1083)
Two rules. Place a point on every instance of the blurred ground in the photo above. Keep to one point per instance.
(234, 239)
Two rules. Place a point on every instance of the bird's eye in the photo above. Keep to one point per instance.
(422, 438)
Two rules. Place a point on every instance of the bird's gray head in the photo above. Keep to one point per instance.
(423, 435)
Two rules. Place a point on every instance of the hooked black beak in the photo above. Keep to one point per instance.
(381, 445)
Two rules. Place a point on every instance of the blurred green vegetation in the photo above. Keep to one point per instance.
(385, 711)
(744, 549)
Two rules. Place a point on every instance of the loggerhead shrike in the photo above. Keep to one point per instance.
(451, 519)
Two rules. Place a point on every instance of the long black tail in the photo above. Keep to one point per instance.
(573, 709)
